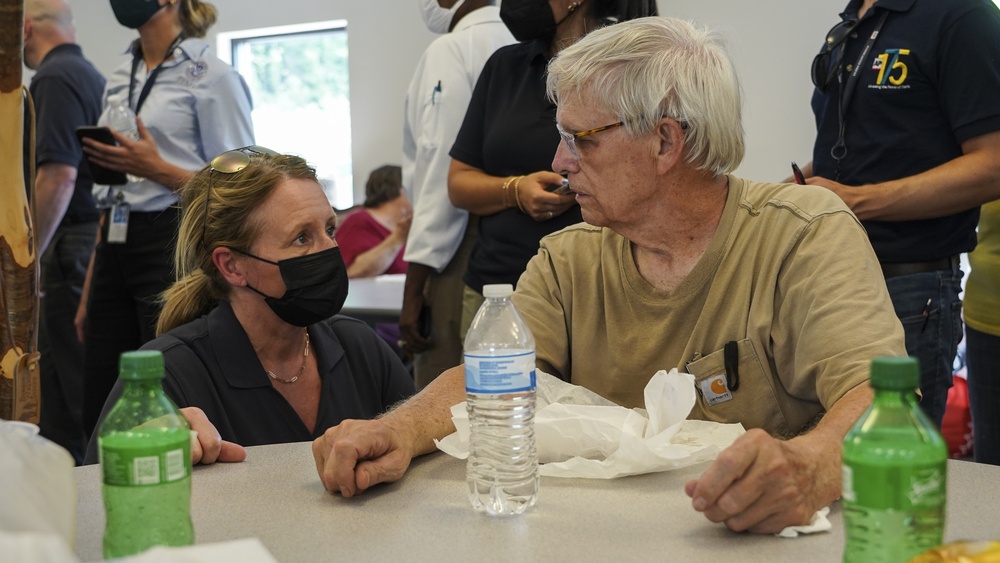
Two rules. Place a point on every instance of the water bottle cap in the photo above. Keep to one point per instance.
(141, 364)
(895, 373)
(498, 290)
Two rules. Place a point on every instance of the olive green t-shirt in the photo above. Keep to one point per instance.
(789, 276)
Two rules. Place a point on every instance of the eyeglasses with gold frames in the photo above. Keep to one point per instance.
(570, 138)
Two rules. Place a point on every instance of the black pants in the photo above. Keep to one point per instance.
(64, 267)
(124, 299)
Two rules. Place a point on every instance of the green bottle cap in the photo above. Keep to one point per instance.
(141, 364)
(895, 373)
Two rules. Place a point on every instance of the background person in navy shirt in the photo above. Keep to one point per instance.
(66, 90)
(908, 135)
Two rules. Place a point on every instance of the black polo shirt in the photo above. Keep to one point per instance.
(510, 130)
(67, 92)
(211, 364)
(930, 82)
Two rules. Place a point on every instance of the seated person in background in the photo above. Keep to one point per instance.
(372, 239)
(681, 265)
(253, 345)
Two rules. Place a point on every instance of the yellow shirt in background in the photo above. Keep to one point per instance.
(982, 290)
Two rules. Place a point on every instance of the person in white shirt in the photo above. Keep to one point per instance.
(440, 240)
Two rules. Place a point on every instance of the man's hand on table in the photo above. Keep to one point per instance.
(356, 454)
(207, 446)
(762, 485)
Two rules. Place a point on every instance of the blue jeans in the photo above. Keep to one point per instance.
(932, 330)
(983, 355)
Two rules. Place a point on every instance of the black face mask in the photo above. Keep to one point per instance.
(134, 13)
(528, 19)
(315, 287)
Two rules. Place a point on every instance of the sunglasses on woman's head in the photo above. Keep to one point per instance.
(230, 162)
(235, 160)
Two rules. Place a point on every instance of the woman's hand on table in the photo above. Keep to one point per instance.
(207, 446)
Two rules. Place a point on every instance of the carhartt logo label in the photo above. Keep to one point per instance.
(715, 390)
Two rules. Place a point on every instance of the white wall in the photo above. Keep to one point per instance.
(772, 41)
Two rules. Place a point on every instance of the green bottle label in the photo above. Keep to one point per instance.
(165, 459)
(899, 488)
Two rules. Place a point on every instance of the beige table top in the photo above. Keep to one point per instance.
(276, 496)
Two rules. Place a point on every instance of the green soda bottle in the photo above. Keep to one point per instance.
(145, 449)
(894, 462)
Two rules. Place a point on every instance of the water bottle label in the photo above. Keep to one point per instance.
(146, 464)
(499, 374)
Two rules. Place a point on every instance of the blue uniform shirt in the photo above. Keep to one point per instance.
(198, 108)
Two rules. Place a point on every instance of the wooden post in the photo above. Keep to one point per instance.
(19, 383)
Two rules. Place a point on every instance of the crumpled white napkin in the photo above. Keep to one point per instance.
(818, 523)
(580, 434)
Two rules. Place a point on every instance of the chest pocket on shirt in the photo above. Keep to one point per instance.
(753, 403)
(430, 118)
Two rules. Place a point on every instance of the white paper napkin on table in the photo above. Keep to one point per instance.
(247, 550)
(580, 434)
(37, 489)
(818, 523)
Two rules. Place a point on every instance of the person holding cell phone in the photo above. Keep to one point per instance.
(501, 167)
(190, 106)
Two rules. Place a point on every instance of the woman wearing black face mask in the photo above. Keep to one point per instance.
(501, 166)
(254, 349)
(191, 106)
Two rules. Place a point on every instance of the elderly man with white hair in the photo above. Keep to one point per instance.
(769, 294)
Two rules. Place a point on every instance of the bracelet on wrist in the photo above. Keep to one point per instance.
(506, 185)
(517, 194)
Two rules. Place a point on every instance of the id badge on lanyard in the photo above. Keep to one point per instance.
(118, 227)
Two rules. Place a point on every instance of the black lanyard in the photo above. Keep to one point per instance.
(839, 149)
(136, 56)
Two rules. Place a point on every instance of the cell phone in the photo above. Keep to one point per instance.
(100, 174)
(559, 189)
(799, 178)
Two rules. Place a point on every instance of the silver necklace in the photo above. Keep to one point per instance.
(305, 356)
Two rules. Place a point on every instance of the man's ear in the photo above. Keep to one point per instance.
(230, 268)
(671, 138)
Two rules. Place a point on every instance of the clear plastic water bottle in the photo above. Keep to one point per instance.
(502, 470)
(894, 463)
(145, 449)
(121, 118)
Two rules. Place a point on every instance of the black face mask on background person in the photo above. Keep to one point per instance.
(529, 19)
(134, 13)
(315, 287)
